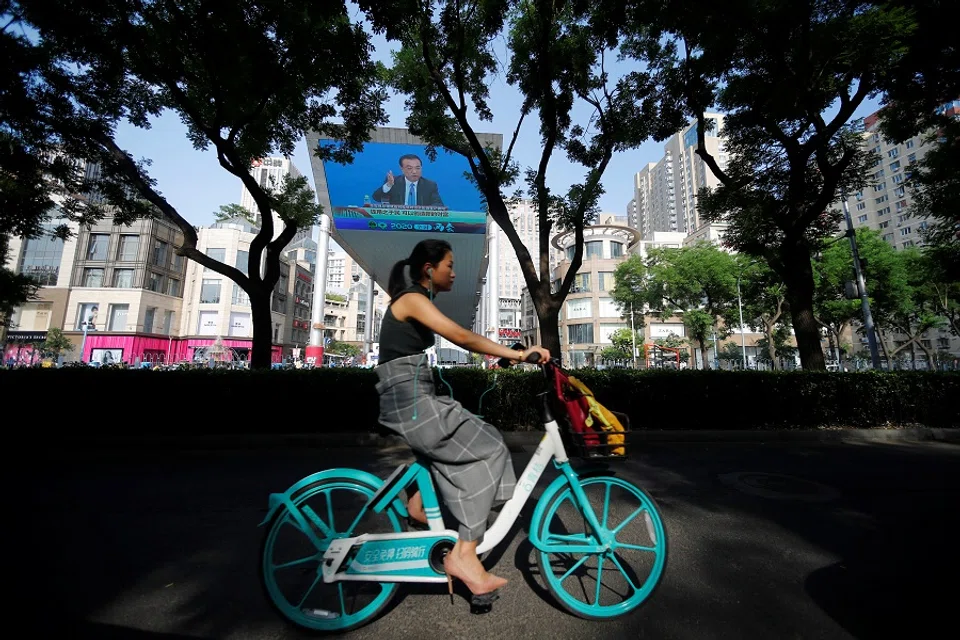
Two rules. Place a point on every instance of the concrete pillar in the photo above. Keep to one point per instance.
(314, 350)
(368, 329)
(493, 285)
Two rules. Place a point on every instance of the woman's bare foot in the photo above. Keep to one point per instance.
(462, 563)
(415, 508)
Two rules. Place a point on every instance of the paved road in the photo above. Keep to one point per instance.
(164, 545)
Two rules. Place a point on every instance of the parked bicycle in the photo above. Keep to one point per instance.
(335, 547)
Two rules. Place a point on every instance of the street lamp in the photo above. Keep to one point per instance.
(861, 285)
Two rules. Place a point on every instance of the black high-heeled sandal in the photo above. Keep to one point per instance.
(479, 603)
(483, 603)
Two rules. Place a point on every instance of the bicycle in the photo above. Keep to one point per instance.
(578, 528)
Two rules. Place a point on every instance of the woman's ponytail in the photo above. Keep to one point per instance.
(398, 281)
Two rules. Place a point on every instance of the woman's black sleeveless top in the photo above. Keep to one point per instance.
(399, 339)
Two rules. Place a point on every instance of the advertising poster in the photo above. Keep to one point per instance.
(106, 356)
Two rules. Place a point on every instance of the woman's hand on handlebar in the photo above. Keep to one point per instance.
(540, 351)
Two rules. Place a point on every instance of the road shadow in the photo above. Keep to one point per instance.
(892, 526)
(99, 631)
(156, 541)
(893, 582)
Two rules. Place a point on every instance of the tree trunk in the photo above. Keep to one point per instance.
(797, 274)
(550, 332)
(929, 354)
(836, 340)
(883, 347)
(768, 328)
(260, 354)
(840, 358)
(699, 340)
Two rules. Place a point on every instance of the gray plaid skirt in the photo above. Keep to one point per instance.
(471, 465)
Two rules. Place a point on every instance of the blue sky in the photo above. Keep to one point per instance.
(195, 184)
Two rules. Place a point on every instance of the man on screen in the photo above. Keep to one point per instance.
(412, 189)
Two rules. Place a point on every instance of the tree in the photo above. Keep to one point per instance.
(344, 349)
(944, 289)
(247, 81)
(42, 188)
(928, 78)
(234, 211)
(557, 57)
(935, 186)
(15, 288)
(764, 300)
(622, 344)
(914, 311)
(56, 343)
(777, 346)
(789, 77)
(629, 280)
(697, 283)
(883, 273)
(731, 353)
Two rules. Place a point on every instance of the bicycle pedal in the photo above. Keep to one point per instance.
(483, 603)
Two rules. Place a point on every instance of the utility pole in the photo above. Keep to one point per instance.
(861, 286)
(633, 336)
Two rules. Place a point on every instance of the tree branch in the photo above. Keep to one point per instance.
(480, 164)
(129, 168)
(274, 251)
(485, 168)
(226, 152)
(458, 61)
(828, 193)
(698, 109)
(516, 132)
(588, 191)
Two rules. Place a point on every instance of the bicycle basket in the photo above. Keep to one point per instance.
(594, 444)
(589, 429)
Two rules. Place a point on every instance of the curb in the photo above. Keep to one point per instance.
(516, 440)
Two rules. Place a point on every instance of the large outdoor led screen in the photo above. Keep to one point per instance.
(396, 187)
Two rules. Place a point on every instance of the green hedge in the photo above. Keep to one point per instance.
(344, 400)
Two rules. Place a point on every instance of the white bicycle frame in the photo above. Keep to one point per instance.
(550, 447)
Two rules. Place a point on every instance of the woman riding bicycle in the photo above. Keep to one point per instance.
(470, 463)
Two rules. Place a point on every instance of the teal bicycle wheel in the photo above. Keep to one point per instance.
(611, 579)
(290, 563)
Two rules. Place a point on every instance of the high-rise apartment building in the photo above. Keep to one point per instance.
(523, 214)
(665, 192)
(633, 219)
(884, 205)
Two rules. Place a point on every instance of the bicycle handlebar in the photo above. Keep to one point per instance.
(532, 358)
